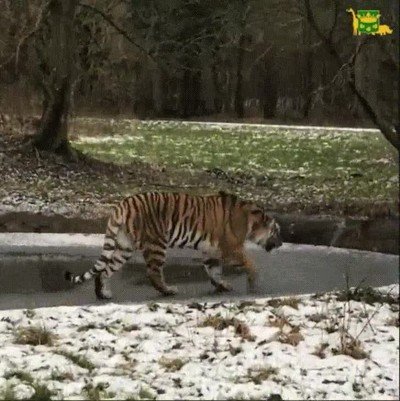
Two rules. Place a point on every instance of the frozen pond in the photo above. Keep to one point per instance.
(30, 278)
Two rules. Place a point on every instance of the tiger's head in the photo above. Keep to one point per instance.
(249, 221)
(263, 229)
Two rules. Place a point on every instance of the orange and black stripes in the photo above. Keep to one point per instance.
(152, 222)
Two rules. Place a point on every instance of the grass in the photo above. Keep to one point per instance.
(216, 321)
(34, 335)
(306, 165)
(61, 376)
(8, 393)
(93, 393)
(171, 365)
(311, 172)
(146, 394)
(279, 321)
(97, 393)
(19, 374)
(221, 323)
(92, 326)
(289, 301)
(41, 391)
(87, 327)
(79, 360)
(350, 346)
(320, 350)
(317, 317)
(131, 327)
(368, 295)
(262, 374)
(292, 338)
(288, 333)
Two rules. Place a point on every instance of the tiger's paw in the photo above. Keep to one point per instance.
(104, 294)
(253, 288)
(252, 281)
(223, 286)
(170, 290)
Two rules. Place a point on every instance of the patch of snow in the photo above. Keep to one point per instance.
(163, 350)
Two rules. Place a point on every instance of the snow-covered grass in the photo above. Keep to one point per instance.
(327, 346)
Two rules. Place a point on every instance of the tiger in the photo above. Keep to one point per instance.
(218, 225)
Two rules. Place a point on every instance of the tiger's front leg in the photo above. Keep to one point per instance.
(155, 259)
(239, 259)
(252, 273)
(213, 268)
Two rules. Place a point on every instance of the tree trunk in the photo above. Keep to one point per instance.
(160, 90)
(53, 131)
(190, 93)
(269, 94)
(239, 100)
(218, 102)
(307, 69)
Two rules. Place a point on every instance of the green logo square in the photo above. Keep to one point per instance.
(368, 21)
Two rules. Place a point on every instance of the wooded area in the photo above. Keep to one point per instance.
(285, 61)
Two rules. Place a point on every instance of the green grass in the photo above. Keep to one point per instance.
(316, 164)
(79, 360)
(97, 393)
(8, 393)
(41, 391)
(19, 374)
(146, 394)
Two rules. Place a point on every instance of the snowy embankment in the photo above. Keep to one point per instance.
(311, 347)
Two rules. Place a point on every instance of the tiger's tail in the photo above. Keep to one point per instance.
(115, 222)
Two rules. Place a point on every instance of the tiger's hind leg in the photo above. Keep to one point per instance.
(117, 260)
(213, 268)
(154, 255)
(113, 257)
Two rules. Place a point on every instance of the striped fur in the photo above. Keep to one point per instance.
(151, 222)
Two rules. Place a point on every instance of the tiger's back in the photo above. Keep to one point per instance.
(175, 219)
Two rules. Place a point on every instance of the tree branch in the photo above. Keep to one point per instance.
(38, 23)
(386, 128)
(346, 70)
(120, 31)
(24, 38)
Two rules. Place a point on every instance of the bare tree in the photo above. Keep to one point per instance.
(59, 57)
(180, 58)
(388, 129)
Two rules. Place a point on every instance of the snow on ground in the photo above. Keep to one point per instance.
(312, 132)
(238, 350)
